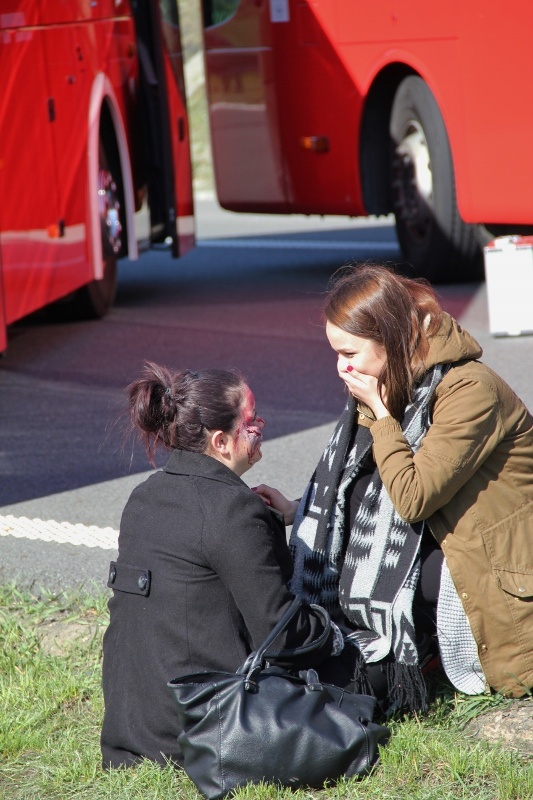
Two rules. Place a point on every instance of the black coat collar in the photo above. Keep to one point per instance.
(183, 462)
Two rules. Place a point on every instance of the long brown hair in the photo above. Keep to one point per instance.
(373, 302)
(177, 409)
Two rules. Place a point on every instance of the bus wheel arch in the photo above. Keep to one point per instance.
(433, 237)
(110, 206)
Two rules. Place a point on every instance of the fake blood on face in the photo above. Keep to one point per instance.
(248, 435)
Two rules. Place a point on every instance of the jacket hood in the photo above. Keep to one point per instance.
(450, 343)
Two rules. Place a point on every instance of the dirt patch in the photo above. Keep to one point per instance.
(57, 636)
(511, 726)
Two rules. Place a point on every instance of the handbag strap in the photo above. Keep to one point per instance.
(256, 661)
(310, 647)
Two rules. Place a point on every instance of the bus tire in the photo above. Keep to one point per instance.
(433, 237)
(95, 300)
(99, 295)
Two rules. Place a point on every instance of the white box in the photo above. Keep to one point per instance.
(509, 276)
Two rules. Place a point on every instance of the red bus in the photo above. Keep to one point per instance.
(93, 129)
(420, 109)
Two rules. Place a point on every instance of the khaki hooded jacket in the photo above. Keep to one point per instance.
(472, 481)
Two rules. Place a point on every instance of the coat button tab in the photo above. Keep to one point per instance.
(143, 580)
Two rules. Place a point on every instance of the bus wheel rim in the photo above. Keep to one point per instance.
(413, 182)
(109, 212)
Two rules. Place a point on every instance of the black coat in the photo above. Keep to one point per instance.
(200, 580)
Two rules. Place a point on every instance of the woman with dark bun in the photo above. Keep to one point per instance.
(203, 566)
(416, 530)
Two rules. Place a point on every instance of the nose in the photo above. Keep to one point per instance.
(260, 422)
(342, 363)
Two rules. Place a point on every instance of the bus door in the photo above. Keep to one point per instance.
(250, 169)
(166, 147)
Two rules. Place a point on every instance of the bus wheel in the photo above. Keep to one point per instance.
(432, 235)
(94, 300)
(100, 295)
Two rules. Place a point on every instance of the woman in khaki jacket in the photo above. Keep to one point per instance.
(416, 529)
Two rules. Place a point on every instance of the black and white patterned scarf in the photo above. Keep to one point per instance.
(367, 583)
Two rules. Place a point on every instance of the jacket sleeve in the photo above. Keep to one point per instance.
(466, 428)
(245, 549)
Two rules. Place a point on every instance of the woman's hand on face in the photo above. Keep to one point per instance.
(365, 388)
(275, 499)
(359, 362)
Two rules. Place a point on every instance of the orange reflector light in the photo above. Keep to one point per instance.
(56, 230)
(318, 144)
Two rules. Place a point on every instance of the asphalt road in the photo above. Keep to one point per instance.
(249, 296)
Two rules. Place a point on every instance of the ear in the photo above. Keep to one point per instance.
(218, 442)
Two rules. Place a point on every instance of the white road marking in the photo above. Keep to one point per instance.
(292, 456)
(300, 244)
(59, 532)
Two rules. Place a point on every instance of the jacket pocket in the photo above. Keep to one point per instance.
(518, 584)
(508, 543)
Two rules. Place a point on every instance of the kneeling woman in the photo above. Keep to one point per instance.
(416, 531)
(203, 566)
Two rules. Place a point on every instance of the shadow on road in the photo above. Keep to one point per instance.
(254, 307)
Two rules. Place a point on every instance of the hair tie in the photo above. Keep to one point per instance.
(168, 391)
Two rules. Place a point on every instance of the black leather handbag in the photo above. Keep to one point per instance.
(264, 723)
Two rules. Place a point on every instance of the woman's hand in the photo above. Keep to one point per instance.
(365, 388)
(275, 499)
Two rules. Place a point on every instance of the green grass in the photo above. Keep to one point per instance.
(51, 709)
